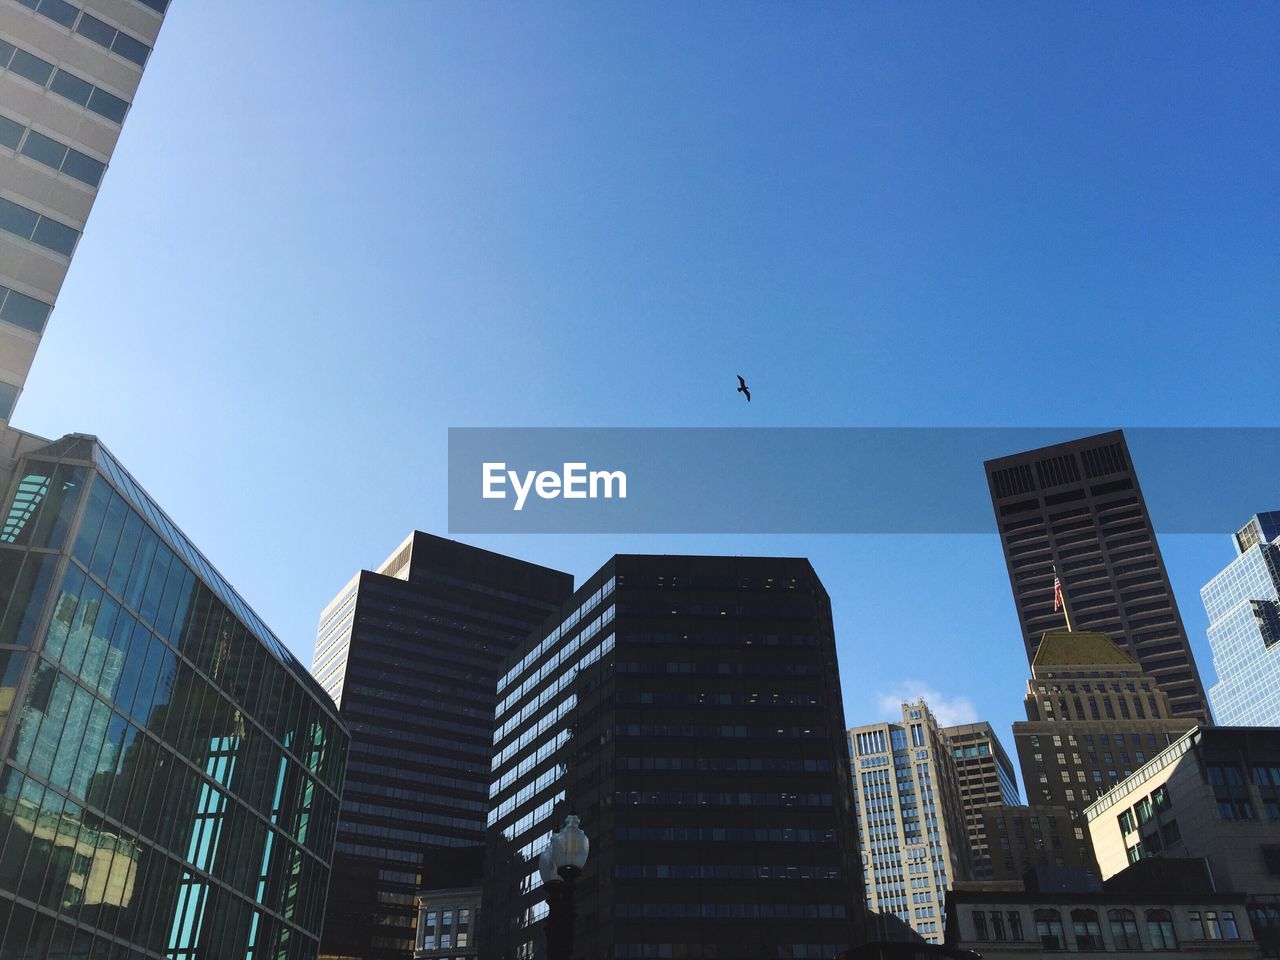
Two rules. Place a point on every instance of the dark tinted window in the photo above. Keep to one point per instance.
(130, 48)
(58, 237)
(46, 150)
(17, 219)
(59, 11)
(23, 311)
(83, 168)
(71, 87)
(103, 103)
(33, 68)
(96, 30)
(10, 132)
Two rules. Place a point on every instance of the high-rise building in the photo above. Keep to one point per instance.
(688, 710)
(911, 820)
(69, 70)
(986, 777)
(1093, 717)
(411, 654)
(171, 772)
(1078, 505)
(1243, 604)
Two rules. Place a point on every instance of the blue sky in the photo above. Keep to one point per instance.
(331, 231)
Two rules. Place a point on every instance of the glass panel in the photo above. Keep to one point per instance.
(33, 68)
(72, 87)
(91, 522)
(55, 236)
(78, 648)
(64, 611)
(109, 538)
(10, 133)
(59, 10)
(44, 149)
(83, 167)
(141, 568)
(17, 219)
(97, 31)
(130, 48)
(11, 664)
(106, 105)
(26, 605)
(118, 576)
(54, 519)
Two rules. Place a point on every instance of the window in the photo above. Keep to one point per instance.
(1229, 929)
(980, 925)
(997, 925)
(1143, 810)
(1160, 930)
(1126, 823)
(1088, 933)
(1124, 929)
(1159, 797)
(1271, 858)
(1015, 924)
(1170, 833)
(1198, 931)
(1049, 930)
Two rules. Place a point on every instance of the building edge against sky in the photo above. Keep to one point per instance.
(1243, 606)
(411, 653)
(172, 772)
(68, 74)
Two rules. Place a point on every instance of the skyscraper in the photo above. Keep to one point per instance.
(688, 709)
(1243, 604)
(1078, 505)
(986, 777)
(411, 654)
(68, 73)
(171, 772)
(911, 822)
(1093, 717)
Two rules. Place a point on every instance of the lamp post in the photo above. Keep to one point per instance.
(560, 864)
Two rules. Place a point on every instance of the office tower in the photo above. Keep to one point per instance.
(68, 73)
(1078, 505)
(1243, 604)
(986, 777)
(1023, 838)
(1215, 794)
(1093, 717)
(411, 653)
(171, 772)
(688, 709)
(911, 820)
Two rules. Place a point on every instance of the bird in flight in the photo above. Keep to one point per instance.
(742, 388)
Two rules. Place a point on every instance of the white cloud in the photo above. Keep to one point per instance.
(948, 710)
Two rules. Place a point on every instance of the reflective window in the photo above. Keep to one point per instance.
(22, 310)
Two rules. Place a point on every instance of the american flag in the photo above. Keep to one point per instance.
(1057, 593)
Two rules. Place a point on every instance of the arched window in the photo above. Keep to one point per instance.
(1088, 933)
(1049, 930)
(1124, 929)
(1160, 930)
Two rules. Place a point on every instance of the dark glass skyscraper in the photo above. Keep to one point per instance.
(986, 778)
(171, 772)
(411, 653)
(688, 709)
(1078, 505)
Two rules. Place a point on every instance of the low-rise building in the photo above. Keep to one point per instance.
(1024, 837)
(447, 923)
(1213, 793)
(1128, 917)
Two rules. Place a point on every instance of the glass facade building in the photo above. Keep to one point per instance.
(171, 773)
(411, 654)
(1243, 604)
(911, 822)
(688, 710)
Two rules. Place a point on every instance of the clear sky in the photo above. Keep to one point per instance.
(333, 230)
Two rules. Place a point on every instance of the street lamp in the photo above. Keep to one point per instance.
(560, 864)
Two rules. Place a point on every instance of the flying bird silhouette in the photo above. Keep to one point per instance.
(742, 388)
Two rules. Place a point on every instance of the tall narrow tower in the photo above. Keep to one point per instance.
(1078, 506)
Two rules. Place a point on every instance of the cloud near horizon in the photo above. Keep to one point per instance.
(948, 710)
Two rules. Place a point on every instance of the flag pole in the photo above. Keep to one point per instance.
(1060, 597)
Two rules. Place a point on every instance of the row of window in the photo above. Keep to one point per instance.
(43, 231)
(1087, 930)
(723, 835)
(91, 28)
(711, 951)
(66, 85)
(690, 798)
(52, 153)
(718, 871)
(743, 764)
(740, 730)
(729, 911)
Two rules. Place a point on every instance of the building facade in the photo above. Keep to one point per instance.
(1134, 920)
(986, 777)
(411, 654)
(1243, 604)
(1078, 506)
(1023, 838)
(688, 710)
(447, 924)
(1214, 793)
(1093, 717)
(912, 829)
(171, 773)
(68, 73)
